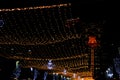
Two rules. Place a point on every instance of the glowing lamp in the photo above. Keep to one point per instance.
(92, 42)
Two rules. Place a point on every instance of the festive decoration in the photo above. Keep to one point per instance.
(71, 22)
(38, 7)
(40, 35)
(92, 41)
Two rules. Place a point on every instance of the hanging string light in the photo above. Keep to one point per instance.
(46, 40)
(38, 7)
(29, 33)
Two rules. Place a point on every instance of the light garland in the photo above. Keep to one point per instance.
(29, 58)
(66, 48)
(43, 42)
(38, 7)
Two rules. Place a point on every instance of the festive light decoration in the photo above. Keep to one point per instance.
(40, 34)
(92, 41)
(43, 17)
(38, 7)
(71, 22)
(57, 59)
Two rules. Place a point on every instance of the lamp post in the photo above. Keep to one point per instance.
(92, 42)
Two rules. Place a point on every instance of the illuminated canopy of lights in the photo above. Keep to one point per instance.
(35, 35)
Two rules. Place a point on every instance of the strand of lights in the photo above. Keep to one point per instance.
(51, 26)
(67, 17)
(41, 43)
(46, 24)
(59, 66)
(44, 42)
(29, 58)
(62, 22)
(63, 64)
(38, 7)
(82, 61)
(57, 24)
(63, 19)
(51, 51)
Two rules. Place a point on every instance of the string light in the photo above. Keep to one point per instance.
(48, 38)
(67, 58)
(38, 7)
(36, 41)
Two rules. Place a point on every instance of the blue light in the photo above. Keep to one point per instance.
(45, 75)
(50, 64)
(109, 73)
(117, 65)
(1, 23)
(17, 70)
(35, 74)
